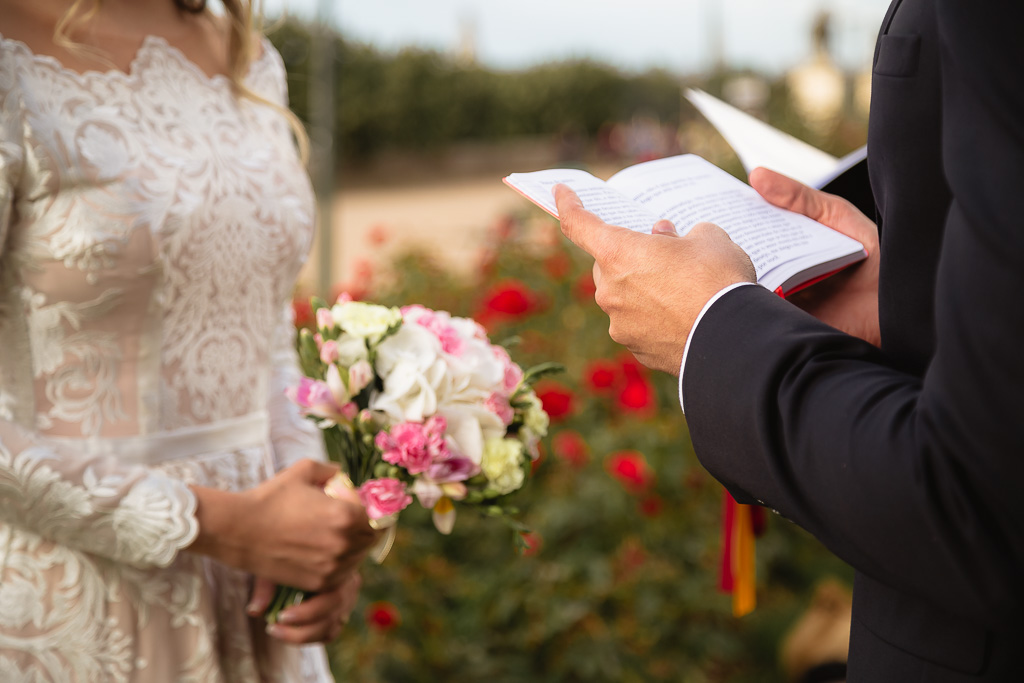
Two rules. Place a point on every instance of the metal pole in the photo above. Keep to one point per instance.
(321, 114)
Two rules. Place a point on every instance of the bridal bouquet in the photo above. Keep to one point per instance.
(418, 404)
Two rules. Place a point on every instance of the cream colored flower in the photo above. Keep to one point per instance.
(503, 464)
(534, 417)
(367, 321)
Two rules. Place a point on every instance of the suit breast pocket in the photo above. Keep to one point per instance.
(898, 55)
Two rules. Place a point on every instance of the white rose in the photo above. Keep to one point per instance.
(502, 464)
(367, 321)
(470, 426)
(476, 372)
(412, 371)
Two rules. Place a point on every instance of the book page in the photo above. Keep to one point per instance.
(757, 143)
(687, 190)
(608, 204)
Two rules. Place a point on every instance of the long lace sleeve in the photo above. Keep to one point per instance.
(95, 504)
(293, 436)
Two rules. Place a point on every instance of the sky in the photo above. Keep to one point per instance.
(767, 35)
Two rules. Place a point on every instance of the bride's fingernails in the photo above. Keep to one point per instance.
(273, 630)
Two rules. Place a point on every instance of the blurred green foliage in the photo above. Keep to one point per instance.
(420, 99)
(621, 583)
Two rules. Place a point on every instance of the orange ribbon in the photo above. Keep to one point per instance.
(738, 573)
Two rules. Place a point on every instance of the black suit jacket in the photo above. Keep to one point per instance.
(908, 461)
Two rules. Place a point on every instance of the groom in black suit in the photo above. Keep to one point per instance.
(890, 421)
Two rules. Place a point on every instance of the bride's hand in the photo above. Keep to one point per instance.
(286, 529)
(320, 618)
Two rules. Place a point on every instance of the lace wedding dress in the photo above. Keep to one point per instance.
(151, 228)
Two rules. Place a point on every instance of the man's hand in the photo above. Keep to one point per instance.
(849, 299)
(653, 286)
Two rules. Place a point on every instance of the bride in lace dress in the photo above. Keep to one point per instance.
(153, 218)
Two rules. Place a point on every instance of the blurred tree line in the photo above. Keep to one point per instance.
(422, 99)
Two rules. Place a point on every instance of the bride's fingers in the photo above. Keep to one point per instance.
(322, 631)
(336, 603)
(319, 618)
(262, 594)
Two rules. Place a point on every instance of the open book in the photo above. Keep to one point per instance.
(789, 251)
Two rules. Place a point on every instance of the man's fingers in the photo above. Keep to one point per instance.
(664, 227)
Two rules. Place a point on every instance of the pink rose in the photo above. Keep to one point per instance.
(499, 405)
(437, 323)
(328, 349)
(512, 373)
(324, 319)
(414, 446)
(359, 376)
(383, 497)
(322, 399)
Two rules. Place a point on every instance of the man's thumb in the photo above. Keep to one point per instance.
(786, 193)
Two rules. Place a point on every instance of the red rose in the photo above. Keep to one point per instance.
(631, 367)
(383, 616)
(303, 311)
(637, 395)
(558, 400)
(510, 298)
(630, 469)
(571, 447)
(601, 374)
(585, 287)
(534, 542)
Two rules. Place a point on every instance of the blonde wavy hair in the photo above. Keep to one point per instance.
(245, 23)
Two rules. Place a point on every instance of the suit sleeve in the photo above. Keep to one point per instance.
(914, 481)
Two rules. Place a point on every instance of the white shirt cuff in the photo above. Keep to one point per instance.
(686, 349)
